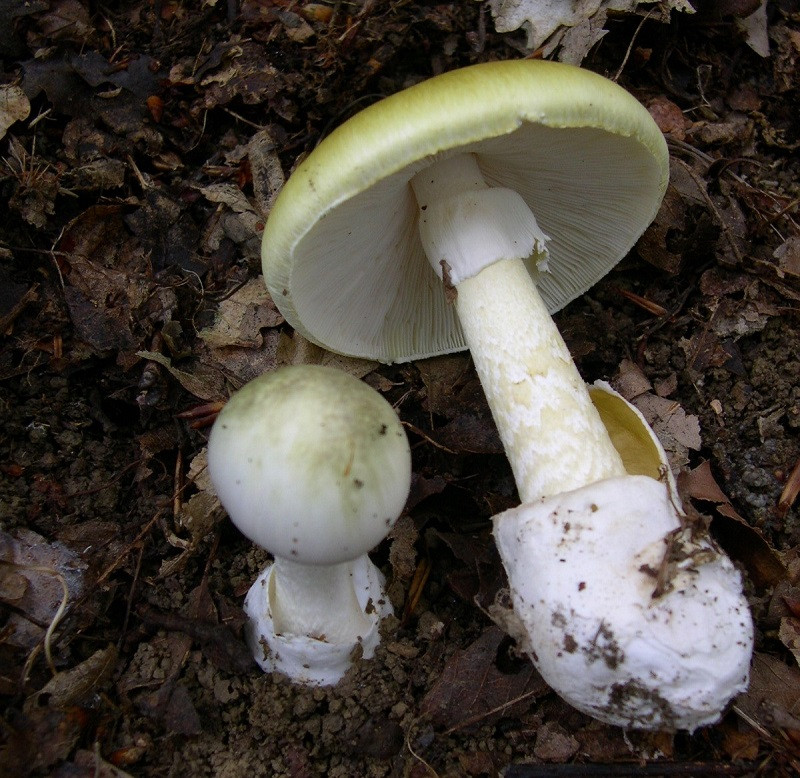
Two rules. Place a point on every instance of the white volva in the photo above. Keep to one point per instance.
(628, 615)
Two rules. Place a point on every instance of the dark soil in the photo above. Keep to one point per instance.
(134, 192)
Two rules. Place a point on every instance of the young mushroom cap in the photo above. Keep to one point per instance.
(342, 254)
(313, 465)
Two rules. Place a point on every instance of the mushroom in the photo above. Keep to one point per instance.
(313, 465)
(508, 189)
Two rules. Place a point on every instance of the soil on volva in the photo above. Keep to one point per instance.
(134, 191)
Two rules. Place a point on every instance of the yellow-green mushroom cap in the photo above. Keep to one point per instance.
(341, 251)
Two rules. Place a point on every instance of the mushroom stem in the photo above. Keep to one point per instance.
(478, 237)
(553, 436)
(317, 600)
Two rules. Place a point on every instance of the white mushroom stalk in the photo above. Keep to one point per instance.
(478, 237)
(314, 466)
(627, 618)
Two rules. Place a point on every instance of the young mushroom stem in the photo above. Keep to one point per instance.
(298, 608)
(552, 434)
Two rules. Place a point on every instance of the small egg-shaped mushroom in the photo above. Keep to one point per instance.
(313, 465)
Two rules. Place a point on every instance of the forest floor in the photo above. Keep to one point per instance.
(141, 146)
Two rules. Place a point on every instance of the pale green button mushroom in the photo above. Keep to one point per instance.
(313, 465)
(459, 213)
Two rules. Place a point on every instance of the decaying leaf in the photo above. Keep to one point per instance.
(241, 317)
(72, 686)
(200, 514)
(554, 743)
(743, 542)
(773, 698)
(789, 634)
(31, 575)
(265, 166)
(202, 382)
(296, 350)
(14, 106)
(678, 431)
(573, 25)
(472, 690)
(480, 574)
(788, 256)
(755, 31)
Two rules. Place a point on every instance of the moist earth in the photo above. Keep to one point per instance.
(134, 194)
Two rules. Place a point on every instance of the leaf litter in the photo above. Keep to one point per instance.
(142, 149)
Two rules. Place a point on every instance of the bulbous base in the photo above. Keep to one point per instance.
(308, 660)
(630, 618)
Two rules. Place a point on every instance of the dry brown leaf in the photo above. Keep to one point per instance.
(471, 690)
(444, 377)
(296, 350)
(789, 634)
(773, 699)
(31, 582)
(669, 117)
(73, 686)
(469, 433)
(241, 317)
(670, 422)
(266, 169)
(14, 106)
(204, 382)
(630, 380)
(788, 256)
(554, 744)
(740, 540)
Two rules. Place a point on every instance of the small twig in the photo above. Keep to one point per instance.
(421, 575)
(468, 722)
(132, 545)
(128, 606)
(106, 485)
(712, 206)
(644, 303)
(427, 437)
(417, 756)
(179, 485)
(241, 118)
(57, 616)
(28, 297)
(636, 32)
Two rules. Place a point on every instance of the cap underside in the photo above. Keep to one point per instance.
(349, 271)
